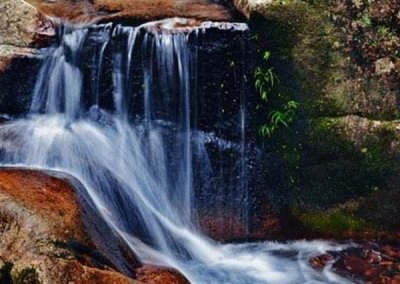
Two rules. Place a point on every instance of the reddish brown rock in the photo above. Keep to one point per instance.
(355, 264)
(225, 225)
(48, 197)
(132, 10)
(371, 273)
(39, 219)
(367, 263)
(159, 275)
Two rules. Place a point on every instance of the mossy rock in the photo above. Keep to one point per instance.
(331, 160)
(309, 53)
(335, 223)
(375, 216)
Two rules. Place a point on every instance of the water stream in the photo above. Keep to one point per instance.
(141, 159)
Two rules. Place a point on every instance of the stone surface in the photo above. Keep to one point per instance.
(23, 29)
(133, 10)
(367, 263)
(340, 159)
(159, 275)
(42, 235)
(22, 25)
(246, 7)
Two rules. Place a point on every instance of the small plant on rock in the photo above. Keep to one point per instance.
(281, 110)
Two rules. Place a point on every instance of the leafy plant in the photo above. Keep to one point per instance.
(285, 112)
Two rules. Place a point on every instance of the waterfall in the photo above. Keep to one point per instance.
(135, 153)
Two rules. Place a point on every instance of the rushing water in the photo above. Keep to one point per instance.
(137, 162)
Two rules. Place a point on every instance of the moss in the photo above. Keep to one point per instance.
(310, 53)
(331, 160)
(382, 209)
(333, 222)
(302, 43)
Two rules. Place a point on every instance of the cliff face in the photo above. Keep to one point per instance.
(340, 61)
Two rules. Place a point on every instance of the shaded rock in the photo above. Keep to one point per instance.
(227, 226)
(159, 275)
(42, 234)
(133, 10)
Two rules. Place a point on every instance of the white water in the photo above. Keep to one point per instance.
(138, 170)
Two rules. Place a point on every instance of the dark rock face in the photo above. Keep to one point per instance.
(17, 81)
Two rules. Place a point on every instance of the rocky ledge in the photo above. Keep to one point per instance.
(367, 263)
(132, 10)
(22, 30)
(44, 238)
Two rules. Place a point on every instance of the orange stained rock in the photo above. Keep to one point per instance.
(132, 10)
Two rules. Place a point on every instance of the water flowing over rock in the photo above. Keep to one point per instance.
(152, 152)
(43, 239)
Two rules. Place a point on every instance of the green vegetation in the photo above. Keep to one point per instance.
(331, 222)
(281, 111)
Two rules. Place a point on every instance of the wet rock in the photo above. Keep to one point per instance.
(226, 225)
(159, 275)
(365, 263)
(321, 261)
(355, 264)
(371, 273)
(42, 236)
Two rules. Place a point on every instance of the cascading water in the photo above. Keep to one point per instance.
(140, 160)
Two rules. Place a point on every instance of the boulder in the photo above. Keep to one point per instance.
(23, 29)
(159, 275)
(48, 235)
(22, 25)
(43, 238)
